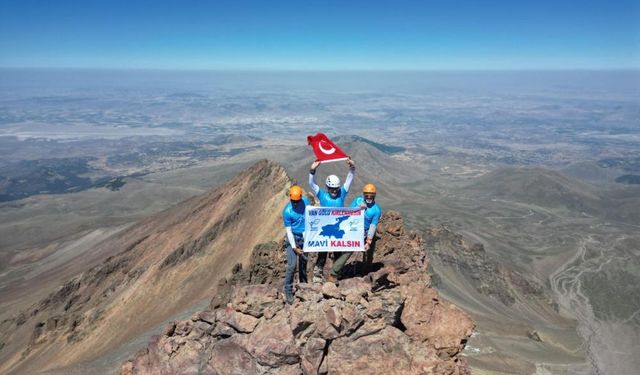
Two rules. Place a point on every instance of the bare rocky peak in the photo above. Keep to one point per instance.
(159, 267)
(389, 321)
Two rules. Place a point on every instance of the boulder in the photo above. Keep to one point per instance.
(330, 290)
(354, 288)
(383, 352)
(254, 300)
(427, 318)
(228, 357)
(273, 344)
(243, 323)
(312, 355)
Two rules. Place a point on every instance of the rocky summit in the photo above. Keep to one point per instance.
(389, 321)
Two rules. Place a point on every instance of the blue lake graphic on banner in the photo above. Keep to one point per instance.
(333, 230)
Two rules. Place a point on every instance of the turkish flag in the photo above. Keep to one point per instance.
(324, 149)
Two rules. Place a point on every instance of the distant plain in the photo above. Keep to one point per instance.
(524, 163)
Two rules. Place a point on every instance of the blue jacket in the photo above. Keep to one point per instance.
(326, 200)
(371, 213)
(294, 216)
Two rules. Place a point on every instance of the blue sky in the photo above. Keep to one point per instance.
(321, 35)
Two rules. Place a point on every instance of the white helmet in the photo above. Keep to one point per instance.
(333, 181)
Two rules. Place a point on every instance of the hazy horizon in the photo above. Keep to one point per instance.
(627, 81)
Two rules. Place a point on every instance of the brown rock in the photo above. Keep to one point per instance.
(426, 318)
(309, 292)
(187, 358)
(386, 305)
(369, 327)
(230, 358)
(127, 368)
(330, 290)
(392, 224)
(353, 317)
(200, 329)
(169, 329)
(312, 356)
(384, 352)
(243, 323)
(273, 344)
(302, 320)
(383, 278)
(183, 328)
(326, 329)
(332, 314)
(418, 309)
(207, 316)
(354, 288)
(319, 319)
(222, 330)
(449, 329)
(255, 299)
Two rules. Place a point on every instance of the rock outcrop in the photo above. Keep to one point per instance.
(490, 277)
(389, 321)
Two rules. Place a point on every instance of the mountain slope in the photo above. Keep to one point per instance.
(539, 186)
(552, 189)
(164, 265)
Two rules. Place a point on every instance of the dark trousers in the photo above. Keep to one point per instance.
(341, 259)
(322, 259)
(367, 257)
(294, 259)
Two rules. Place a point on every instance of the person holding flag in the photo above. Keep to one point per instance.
(334, 196)
(372, 213)
(293, 217)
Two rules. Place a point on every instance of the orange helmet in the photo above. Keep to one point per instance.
(369, 188)
(295, 193)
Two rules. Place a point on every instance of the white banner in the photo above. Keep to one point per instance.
(333, 229)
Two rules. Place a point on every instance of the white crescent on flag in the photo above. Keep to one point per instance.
(326, 151)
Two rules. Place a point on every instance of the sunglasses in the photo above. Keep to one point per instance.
(369, 196)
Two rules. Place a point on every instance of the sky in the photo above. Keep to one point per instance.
(321, 35)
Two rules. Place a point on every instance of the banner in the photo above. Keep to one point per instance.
(324, 149)
(333, 229)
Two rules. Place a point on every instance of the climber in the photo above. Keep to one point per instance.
(293, 217)
(333, 197)
(372, 212)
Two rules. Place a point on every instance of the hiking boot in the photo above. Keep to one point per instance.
(331, 279)
(317, 274)
(289, 298)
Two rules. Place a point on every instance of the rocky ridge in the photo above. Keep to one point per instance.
(389, 321)
(489, 276)
(160, 266)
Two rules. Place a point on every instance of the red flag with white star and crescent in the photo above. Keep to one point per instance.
(324, 149)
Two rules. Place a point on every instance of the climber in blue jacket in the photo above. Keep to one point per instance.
(372, 213)
(293, 217)
(334, 196)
